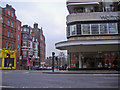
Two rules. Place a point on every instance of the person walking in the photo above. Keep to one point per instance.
(115, 64)
(10, 66)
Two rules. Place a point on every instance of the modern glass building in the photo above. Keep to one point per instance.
(93, 33)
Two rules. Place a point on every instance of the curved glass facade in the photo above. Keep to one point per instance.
(92, 29)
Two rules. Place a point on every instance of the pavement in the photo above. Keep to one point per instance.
(80, 72)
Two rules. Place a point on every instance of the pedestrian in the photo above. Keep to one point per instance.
(10, 66)
(65, 66)
(115, 63)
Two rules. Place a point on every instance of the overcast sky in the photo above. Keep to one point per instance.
(49, 14)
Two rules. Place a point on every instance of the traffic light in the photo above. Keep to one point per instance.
(8, 55)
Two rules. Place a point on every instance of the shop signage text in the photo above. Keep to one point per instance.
(110, 17)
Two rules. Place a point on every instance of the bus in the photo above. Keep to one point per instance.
(7, 57)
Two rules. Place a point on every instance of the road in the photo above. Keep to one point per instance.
(37, 79)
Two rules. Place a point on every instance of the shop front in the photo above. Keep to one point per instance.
(93, 59)
(91, 54)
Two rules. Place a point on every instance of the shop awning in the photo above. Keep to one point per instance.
(89, 45)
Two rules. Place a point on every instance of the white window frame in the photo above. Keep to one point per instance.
(24, 42)
(100, 29)
(115, 26)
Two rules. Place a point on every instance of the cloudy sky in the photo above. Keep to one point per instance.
(49, 14)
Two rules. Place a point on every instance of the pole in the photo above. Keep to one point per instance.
(53, 55)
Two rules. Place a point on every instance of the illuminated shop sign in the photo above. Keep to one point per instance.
(110, 17)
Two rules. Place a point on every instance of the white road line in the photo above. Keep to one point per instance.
(7, 87)
(26, 72)
(105, 74)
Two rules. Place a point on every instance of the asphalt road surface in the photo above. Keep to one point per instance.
(37, 79)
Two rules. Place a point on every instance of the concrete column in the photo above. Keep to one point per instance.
(69, 59)
(80, 61)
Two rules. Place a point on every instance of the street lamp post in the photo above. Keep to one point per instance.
(53, 55)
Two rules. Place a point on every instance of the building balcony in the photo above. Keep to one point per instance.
(93, 16)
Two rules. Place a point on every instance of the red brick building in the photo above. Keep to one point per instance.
(11, 30)
(33, 46)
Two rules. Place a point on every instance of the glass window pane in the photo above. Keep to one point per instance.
(8, 23)
(112, 28)
(85, 29)
(73, 30)
(95, 29)
(8, 12)
(103, 29)
(11, 24)
(1, 20)
(8, 33)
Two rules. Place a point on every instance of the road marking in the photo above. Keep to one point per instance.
(105, 74)
(7, 87)
(26, 72)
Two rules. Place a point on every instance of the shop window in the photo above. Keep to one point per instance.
(113, 28)
(72, 30)
(8, 61)
(85, 29)
(94, 29)
(103, 29)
